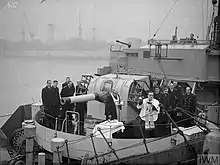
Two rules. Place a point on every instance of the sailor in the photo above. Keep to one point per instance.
(174, 39)
(67, 91)
(160, 124)
(81, 108)
(157, 94)
(192, 39)
(166, 98)
(188, 104)
(173, 100)
(47, 95)
(149, 112)
(177, 88)
(56, 101)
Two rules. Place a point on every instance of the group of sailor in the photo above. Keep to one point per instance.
(168, 98)
(191, 39)
(52, 105)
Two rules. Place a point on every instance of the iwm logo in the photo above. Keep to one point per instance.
(12, 5)
(213, 159)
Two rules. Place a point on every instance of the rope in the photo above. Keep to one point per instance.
(164, 19)
(153, 140)
(136, 157)
(144, 140)
(199, 117)
(112, 149)
(135, 145)
(182, 134)
(96, 156)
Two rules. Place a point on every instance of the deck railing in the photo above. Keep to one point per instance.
(184, 41)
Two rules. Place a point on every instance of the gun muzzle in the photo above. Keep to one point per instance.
(127, 44)
(65, 100)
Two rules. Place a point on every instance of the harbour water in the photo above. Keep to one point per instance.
(23, 77)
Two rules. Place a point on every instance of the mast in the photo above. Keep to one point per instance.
(176, 32)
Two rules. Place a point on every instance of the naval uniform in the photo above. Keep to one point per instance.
(188, 104)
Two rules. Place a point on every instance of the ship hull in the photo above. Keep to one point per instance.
(79, 146)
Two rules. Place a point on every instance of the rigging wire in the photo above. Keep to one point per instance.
(207, 13)
(211, 19)
(202, 19)
(165, 19)
(6, 115)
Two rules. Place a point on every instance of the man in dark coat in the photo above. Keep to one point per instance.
(67, 91)
(157, 94)
(173, 96)
(174, 102)
(56, 101)
(65, 84)
(188, 104)
(177, 88)
(162, 117)
(47, 95)
(166, 99)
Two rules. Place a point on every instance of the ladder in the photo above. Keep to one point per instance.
(136, 91)
(84, 84)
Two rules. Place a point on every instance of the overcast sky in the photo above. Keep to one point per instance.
(113, 19)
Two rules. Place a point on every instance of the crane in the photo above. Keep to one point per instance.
(25, 21)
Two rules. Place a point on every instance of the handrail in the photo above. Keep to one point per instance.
(112, 149)
(76, 122)
(56, 127)
(62, 128)
(180, 41)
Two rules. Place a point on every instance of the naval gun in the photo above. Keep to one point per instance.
(100, 97)
(127, 44)
(104, 97)
(81, 98)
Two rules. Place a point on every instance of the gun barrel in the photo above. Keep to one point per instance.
(78, 99)
(127, 44)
